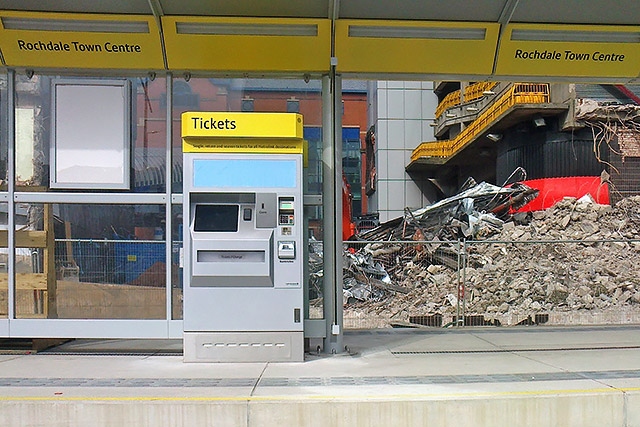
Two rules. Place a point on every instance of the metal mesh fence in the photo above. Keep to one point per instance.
(133, 262)
(425, 283)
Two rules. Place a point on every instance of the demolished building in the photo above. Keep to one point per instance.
(568, 137)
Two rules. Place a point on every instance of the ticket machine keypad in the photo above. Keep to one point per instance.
(286, 214)
(286, 219)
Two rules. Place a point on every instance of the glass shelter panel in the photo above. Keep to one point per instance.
(176, 270)
(107, 262)
(4, 262)
(32, 128)
(3, 129)
(41, 146)
(4, 303)
(31, 290)
(149, 135)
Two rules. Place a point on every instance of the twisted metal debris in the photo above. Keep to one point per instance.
(476, 211)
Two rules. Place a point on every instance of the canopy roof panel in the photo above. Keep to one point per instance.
(620, 12)
(590, 40)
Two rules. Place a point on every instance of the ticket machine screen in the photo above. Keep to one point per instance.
(218, 218)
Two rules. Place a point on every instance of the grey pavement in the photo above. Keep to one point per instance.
(531, 375)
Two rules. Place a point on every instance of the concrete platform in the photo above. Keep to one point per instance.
(528, 376)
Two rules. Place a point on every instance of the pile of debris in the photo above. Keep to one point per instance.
(478, 210)
(575, 257)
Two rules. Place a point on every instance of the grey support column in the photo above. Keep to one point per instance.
(168, 225)
(332, 211)
(11, 188)
(337, 342)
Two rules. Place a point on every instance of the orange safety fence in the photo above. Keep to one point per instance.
(451, 100)
(471, 93)
(477, 90)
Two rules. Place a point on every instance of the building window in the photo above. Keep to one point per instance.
(293, 105)
(183, 97)
(247, 105)
(370, 154)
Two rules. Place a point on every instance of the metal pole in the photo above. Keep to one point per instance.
(337, 143)
(332, 280)
(327, 207)
(464, 279)
(11, 173)
(168, 235)
(458, 284)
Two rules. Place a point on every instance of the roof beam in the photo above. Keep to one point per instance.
(505, 17)
(156, 9)
(507, 12)
(334, 8)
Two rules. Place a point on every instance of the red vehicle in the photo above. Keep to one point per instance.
(348, 226)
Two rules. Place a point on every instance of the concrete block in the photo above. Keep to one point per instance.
(122, 412)
(589, 409)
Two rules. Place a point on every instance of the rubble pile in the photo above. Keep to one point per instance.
(575, 257)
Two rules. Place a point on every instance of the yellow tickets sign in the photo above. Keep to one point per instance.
(222, 132)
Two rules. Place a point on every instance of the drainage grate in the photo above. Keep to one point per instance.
(514, 350)
(110, 353)
(128, 382)
(316, 381)
(448, 379)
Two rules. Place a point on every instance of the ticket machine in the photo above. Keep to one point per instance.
(243, 237)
